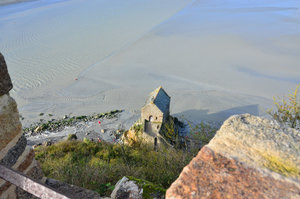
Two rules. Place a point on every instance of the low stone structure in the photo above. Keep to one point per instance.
(157, 107)
(155, 112)
(250, 157)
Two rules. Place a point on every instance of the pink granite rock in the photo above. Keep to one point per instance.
(250, 157)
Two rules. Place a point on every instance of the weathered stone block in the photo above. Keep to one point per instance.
(14, 153)
(5, 81)
(250, 157)
(10, 125)
(71, 190)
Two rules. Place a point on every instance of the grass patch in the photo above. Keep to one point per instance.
(98, 166)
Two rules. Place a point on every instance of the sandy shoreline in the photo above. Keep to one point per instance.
(214, 60)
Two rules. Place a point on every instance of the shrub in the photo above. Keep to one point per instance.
(287, 112)
(169, 131)
(150, 190)
(138, 128)
(72, 137)
(199, 135)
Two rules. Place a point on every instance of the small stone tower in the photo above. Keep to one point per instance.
(156, 111)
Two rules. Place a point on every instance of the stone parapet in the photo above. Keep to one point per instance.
(13, 150)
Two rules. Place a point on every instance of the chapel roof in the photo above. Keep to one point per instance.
(160, 98)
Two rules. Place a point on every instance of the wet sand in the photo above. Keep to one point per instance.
(214, 58)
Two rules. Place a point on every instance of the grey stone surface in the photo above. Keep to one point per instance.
(35, 173)
(10, 125)
(73, 191)
(126, 189)
(259, 142)
(21, 194)
(5, 81)
(14, 153)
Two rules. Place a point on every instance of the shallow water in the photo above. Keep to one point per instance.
(215, 58)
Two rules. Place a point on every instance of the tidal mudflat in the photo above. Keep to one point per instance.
(214, 58)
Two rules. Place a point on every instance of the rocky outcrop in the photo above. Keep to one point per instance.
(5, 81)
(250, 157)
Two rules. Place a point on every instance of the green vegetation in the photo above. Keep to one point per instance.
(138, 128)
(201, 134)
(150, 190)
(287, 111)
(72, 137)
(98, 166)
(169, 131)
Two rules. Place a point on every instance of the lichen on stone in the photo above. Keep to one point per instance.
(278, 165)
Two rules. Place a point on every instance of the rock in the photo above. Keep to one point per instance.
(250, 157)
(38, 129)
(14, 153)
(5, 81)
(36, 145)
(126, 189)
(73, 191)
(47, 143)
(10, 125)
(30, 133)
